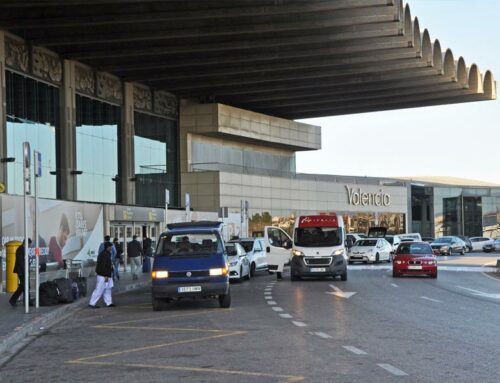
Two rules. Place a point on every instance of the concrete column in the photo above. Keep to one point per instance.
(3, 111)
(67, 134)
(126, 144)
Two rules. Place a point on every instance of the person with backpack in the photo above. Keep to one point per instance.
(104, 282)
(19, 270)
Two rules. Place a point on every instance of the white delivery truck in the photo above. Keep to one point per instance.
(319, 247)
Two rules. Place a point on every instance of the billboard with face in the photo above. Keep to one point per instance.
(67, 230)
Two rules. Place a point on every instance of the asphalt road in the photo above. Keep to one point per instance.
(390, 330)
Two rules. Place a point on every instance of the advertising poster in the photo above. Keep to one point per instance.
(67, 230)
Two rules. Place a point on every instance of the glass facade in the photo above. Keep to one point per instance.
(156, 160)
(32, 116)
(232, 158)
(97, 130)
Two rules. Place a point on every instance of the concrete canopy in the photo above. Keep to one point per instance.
(287, 58)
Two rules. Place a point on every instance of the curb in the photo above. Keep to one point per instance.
(15, 342)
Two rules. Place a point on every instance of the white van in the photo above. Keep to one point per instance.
(278, 248)
(319, 247)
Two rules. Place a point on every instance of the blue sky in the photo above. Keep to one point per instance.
(457, 140)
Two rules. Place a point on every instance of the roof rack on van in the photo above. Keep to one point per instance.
(194, 225)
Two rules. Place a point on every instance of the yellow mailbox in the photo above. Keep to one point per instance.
(11, 277)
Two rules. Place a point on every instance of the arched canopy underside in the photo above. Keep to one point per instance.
(283, 58)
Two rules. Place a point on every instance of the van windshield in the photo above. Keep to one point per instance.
(187, 244)
(318, 236)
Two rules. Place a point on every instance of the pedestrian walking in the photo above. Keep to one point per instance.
(104, 282)
(147, 249)
(19, 270)
(107, 239)
(134, 253)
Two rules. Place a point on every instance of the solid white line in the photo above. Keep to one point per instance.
(474, 291)
(393, 370)
(299, 324)
(430, 299)
(268, 297)
(394, 285)
(322, 335)
(354, 350)
(272, 303)
(286, 316)
(277, 309)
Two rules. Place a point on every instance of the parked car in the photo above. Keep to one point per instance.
(467, 241)
(448, 245)
(495, 246)
(479, 242)
(256, 253)
(411, 236)
(190, 262)
(239, 266)
(414, 258)
(395, 240)
(370, 250)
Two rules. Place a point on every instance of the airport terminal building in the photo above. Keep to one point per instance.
(125, 101)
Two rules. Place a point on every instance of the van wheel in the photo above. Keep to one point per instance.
(343, 276)
(252, 269)
(157, 304)
(225, 300)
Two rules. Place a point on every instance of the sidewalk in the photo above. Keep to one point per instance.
(16, 325)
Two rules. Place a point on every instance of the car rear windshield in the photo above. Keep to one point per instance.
(318, 236)
(414, 248)
(247, 245)
(366, 242)
(188, 244)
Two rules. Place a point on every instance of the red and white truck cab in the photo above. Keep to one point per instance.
(319, 247)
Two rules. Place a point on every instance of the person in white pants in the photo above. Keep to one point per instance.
(104, 283)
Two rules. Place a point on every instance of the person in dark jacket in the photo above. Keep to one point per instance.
(19, 270)
(134, 253)
(104, 282)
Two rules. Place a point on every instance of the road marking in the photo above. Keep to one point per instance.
(288, 378)
(268, 297)
(354, 350)
(277, 309)
(480, 293)
(430, 299)
(394, 285)
(393, 370)
(272, 303)
(339, 293)
(321, 335)
(155, 318)
(299, 324)
(286, 316)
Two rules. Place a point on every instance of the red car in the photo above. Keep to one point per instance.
(414, 258)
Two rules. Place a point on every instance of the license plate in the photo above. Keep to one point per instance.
(414, 267)
(189, 289)
(318, 269)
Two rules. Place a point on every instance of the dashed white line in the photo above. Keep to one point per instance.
(272, 303)
(393, 370)
(430, 299)
(322, 335)
(268, 297)
(394, 285)
(354, 350)
(268, 293)
(277, 309)
(299, 324)
(286, 316)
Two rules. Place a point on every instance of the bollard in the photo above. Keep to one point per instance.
(10, 276)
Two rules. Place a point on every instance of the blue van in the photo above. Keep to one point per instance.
(190, 262)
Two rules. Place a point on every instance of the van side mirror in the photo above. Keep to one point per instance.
(268, 249)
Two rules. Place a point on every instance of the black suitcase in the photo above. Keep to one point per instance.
(64, 286)
(49, 294)
(82, 285)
